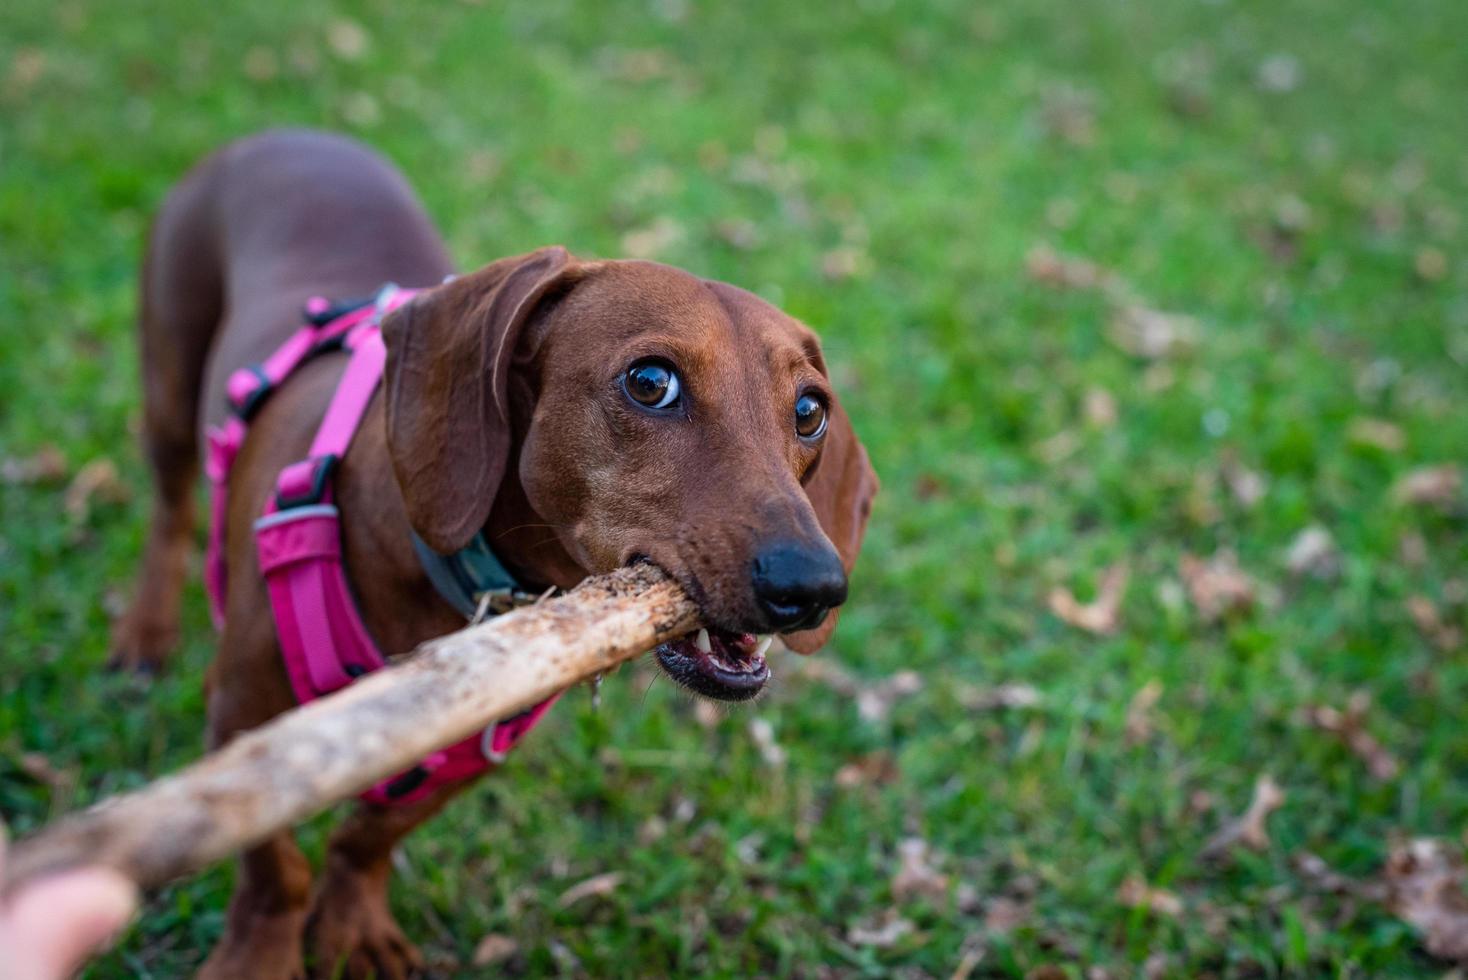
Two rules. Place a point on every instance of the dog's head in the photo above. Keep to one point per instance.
(646, 414)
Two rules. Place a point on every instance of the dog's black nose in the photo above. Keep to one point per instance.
(797, 585)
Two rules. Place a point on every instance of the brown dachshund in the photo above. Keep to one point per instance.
(583, 414)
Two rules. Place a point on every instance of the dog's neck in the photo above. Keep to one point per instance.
(528, 546)
(399, 602)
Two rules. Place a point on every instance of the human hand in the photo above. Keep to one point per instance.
(50, 926)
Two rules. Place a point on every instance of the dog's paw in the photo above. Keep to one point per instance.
(352, 934)
(140, 645)
(267, 948)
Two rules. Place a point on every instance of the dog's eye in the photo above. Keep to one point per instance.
(652, 384)
(810, 417)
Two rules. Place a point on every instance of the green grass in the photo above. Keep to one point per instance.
(930, 142)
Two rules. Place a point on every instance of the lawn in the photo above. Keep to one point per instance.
(1116, 285)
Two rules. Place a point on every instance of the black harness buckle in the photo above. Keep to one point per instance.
(407, 782)
(250, 404)
(337, 310)
(322, 469)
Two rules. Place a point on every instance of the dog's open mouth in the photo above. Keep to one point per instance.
(718, 664)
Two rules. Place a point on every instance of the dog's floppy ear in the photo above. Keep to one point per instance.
(446, 385)
(841, 490)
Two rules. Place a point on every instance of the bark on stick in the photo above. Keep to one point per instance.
(306, 759)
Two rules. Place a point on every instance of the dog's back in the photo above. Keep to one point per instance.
(237, 248)
(253, 231)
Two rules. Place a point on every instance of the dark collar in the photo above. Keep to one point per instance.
(469, 576)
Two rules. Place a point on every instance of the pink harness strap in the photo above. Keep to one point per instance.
(323, 641)
(246, 390)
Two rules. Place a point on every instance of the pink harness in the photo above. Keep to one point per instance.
(322, 638)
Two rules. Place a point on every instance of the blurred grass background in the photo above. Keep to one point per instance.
(1272, 335)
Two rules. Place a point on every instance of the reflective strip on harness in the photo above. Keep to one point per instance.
(321, 636)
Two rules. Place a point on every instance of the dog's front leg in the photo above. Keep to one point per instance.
(351, 931)
(247, 687)
(267, 916)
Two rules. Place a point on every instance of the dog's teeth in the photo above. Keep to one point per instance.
(702, 641)
(764, 644)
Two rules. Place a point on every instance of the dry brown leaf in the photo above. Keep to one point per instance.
(43, 770)
(1350, 727)
(1322, 877)
(1159, 966)
(26, 69)
(1103, 614)
(1005, 914)
(1290, 215)
(915, 877)
(1430, 486)
(1061, 213)
(1425, 879)
(1377, 434)
(999, 696)
(707, 713)
(653, 240)
(1429, 621)
(1280, 73)
(1045, 265)
(569, 964)
(1247, 486)
(1412, 549)
(1135, 893)
(1201, 504)
(45, 465)
(1150, 334)
(747, 848)
(762, 733)
(347, 39)
(875, 768)
(929, 487)
(1200, 802)
(1430, 264)
(1139, 712)
(494, 948)
(738, 233)
(845, 262)
(1422, 884)
(97, 481)
(1070, 114)
(1099, 406)
(1218, 587)
(596, 885)
(482, 166)
(873, 701)
(1158, 377)
(639, 65)
(1313, 553)
(884, 933)
(1249, 829)
(261, 64)
(653, 829)
(361, 109)
(1058, 448)
(967, 963)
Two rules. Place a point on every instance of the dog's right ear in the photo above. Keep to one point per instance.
(446, 384)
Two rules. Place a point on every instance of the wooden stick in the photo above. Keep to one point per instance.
(302, 761)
